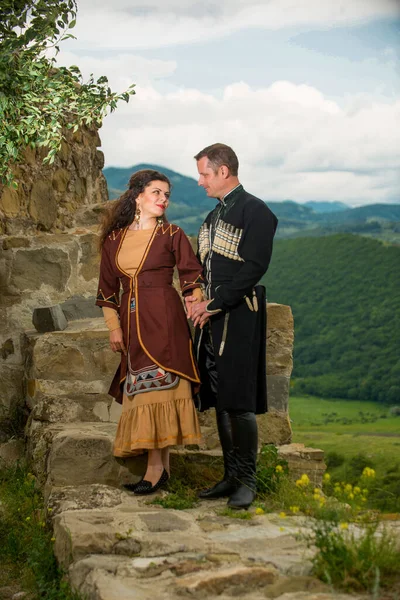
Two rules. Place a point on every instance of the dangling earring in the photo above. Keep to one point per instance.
(160, 220)
(136, 218)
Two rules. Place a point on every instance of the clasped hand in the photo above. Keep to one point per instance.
(196, 309)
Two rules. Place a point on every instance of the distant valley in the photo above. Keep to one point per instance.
(190, 205)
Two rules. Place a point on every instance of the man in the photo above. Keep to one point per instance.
(234, 247)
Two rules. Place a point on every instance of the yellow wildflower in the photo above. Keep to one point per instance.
(27, 519)
(348, 488)
(294, 509)
(344, 525)
(53, 539)
(356, 490)
(368, 472)
(351, 496)
(260, 511)
(281, 529)
(316, 496)
(327, 477)
(317, 491)
(303, 481)
(279, 469)
(282, 515)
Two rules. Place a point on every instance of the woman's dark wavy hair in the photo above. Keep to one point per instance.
(122, 211)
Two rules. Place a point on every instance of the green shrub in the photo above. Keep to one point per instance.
(357, 465)
(270, 470)
(178, 500)
(26, 549)
(361, 559)
(334, 459)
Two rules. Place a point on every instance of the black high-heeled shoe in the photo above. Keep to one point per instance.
(145, 487)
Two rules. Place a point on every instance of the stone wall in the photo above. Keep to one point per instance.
(49, 195)
(44, 258)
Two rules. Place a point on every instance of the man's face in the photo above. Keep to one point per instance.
(213, 183)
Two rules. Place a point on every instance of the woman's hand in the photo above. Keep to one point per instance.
(117, 341)
(197, 296)
(200, 316)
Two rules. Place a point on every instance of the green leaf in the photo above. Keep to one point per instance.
(39, 99)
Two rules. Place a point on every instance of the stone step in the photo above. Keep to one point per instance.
(70, 372)
(116, 545)
(76, 454)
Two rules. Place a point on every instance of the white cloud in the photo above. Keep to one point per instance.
(121, 70)
(292, 142)
(133, 24)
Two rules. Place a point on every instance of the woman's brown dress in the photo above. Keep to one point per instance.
(153, 383)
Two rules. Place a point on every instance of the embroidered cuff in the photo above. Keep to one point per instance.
(213, 307)
(188, 291)
(188, 286)
(112, 300)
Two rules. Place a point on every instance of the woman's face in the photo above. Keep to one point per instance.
(154, 200)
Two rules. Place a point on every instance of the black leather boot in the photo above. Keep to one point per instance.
(228, 485)
(245, 439)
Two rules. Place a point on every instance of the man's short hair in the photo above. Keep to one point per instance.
(218, 155)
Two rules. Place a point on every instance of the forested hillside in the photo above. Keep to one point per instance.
(344, 291)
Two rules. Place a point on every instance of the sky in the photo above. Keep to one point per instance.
(307, 92)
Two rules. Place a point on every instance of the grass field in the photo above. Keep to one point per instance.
(351, 429)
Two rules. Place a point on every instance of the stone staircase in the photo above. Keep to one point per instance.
(116, 545)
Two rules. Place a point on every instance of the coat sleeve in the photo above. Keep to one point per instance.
(189, 269)
(109, 284)
(255, 248)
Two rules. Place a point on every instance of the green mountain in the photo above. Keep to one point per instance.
(344, 291)
(190, 205)
(385, 212)
(326, 207)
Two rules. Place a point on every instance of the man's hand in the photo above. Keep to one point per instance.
(197, 296)
(199, 314)
(117, 341)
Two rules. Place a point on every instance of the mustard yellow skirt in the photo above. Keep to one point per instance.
(157, 419)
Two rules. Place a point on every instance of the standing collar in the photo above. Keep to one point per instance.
(231, 194)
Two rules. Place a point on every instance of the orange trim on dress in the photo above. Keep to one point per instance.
(184, 375)
(169, 227)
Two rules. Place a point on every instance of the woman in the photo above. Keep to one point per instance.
(148, 325)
